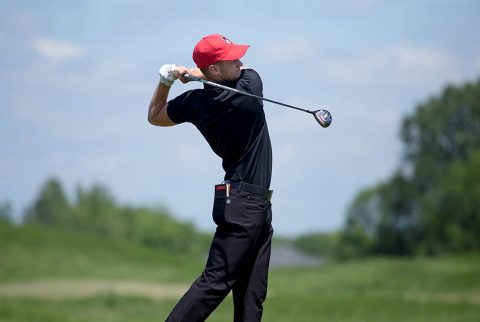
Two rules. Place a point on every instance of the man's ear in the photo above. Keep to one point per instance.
(214, 70)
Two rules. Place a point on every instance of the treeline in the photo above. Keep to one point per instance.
(431, 203)
(95, 211)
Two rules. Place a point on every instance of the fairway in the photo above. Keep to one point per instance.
(358, 291)
(52, 276)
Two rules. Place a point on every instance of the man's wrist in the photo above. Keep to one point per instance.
(167, 74)
(166, 82)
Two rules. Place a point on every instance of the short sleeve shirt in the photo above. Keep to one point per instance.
(234, 126)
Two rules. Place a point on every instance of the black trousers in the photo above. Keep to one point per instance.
(238, 260)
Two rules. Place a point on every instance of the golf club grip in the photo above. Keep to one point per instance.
(191, 77)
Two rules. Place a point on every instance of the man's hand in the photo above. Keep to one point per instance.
(181, 70)
(169, 73)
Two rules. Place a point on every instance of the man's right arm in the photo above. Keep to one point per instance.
(157, 111)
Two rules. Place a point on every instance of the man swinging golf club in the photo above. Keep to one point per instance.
(234, 125)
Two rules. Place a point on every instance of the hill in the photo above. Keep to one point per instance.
(32, 253)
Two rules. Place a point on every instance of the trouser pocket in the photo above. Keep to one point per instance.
(218, 212)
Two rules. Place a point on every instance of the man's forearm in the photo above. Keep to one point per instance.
(158, 103)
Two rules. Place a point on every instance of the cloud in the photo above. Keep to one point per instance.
(57, 51)
(22, 19)
(400, 64)
(416, 61)
(286, 50)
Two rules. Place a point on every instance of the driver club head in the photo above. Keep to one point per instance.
(323, 117)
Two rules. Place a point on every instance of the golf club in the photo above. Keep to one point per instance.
(323, 117)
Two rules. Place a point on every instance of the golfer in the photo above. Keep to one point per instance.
(235, 128)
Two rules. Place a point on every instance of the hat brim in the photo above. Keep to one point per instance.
(236, 52)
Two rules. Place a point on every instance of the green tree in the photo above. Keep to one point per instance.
(318, 244)
(96, 211)
(442, 130)
(6, 212)
(397, 232)
(451, 211)
(440, 139)
(51, 207)
(428, 204)
(156, 228)
(360, 230)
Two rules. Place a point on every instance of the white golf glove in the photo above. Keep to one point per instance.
(167, 74)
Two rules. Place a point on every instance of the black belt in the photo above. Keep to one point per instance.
(243, 186)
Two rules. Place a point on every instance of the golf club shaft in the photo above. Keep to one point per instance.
(194, 78)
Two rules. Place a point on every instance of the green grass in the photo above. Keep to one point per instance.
(105, 308)
(442, 289)
(380, 289)
(30, 253)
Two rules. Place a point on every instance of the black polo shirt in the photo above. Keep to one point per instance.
(233, 124)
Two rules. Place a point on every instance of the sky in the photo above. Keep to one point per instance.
(76, 78)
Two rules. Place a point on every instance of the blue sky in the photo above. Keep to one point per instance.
(77, 76)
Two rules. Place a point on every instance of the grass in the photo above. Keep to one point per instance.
(443, 289)
(31, 253)
(379, 289)
(105, 308)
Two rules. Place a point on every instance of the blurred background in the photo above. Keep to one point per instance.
(87, 185)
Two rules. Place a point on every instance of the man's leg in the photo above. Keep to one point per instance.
(210, 288)
(237, 234)
(250, 290)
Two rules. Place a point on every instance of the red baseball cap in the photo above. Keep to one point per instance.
(214, 48)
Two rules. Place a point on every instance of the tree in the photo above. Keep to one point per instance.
(440, 139)
(51, 208)
(430, 202)
(360, 229)
(318, 244)
(441, 131)
(381, 220)
(6, 212)
(96, 211)
(156, 228)
(452, 209)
